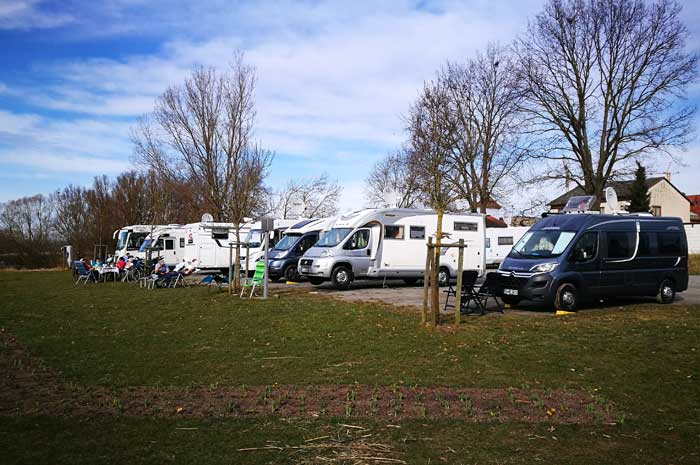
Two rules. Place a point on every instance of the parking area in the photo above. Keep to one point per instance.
(411, 296)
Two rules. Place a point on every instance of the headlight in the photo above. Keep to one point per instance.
(544, 267)
(326, 253)
(281, 255)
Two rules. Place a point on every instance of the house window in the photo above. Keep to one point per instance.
(393, 232)
(656, 210)
(417, 232)
(466, 226)
(506, 240)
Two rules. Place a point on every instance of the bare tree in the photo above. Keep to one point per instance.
(28, 224)
(484, 108)
(605, 82)
(202, 132)
(72, 220)
(431, 133)
(309, 198)
(392, 183)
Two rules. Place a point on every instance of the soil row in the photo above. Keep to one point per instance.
(28, 387)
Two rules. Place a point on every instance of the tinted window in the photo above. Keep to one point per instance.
(393, 232)
(358, 241)
(621, 244)
(644, 249)
(507, 240)
(586, 248)
(466, 226)
(169, 244)
(219, 234)
(182, 242)
(417, 232)
(306, 243)
(669, 243)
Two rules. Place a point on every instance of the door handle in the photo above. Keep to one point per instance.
(369, 252)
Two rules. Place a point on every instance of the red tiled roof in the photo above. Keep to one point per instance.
(694, 203)
(493, 222)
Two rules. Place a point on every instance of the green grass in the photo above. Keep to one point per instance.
(643, 358)
(694, 264)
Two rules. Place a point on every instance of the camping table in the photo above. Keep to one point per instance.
(107, 270)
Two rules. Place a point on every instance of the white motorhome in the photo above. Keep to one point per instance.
(254, 245)
(391, 243)
(499, 241)
(166, 242)
(130, 238)
(210, 242)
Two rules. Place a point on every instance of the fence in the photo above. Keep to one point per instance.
(693, 233)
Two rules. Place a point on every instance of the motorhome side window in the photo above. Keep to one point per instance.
(669, 243)
(417, 232)
(393, 232)
(506, 240)
(219, 234)
(586, 248)
(645, 247)
(169, 244)
(458, 226)
(182, 242)
(620, 244)
(357, 241)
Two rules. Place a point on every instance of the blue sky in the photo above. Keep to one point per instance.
(335, 78)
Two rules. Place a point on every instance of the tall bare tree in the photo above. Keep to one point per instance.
(28, 223)
(431, 133)
(604, 83)
(484, 109)
(315, 197)
(391, 182)
(73, 221)
(202, 131)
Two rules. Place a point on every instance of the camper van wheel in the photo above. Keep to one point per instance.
(410, 281)
(291, 273)
(667, 292)
(566, 298)
(315, 281)
(443, 277)
(341, 277)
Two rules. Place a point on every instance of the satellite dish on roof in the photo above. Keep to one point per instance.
(611, 199)
(207, 218)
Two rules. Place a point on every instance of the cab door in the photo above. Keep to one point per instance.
(358, 250)
(584, 259)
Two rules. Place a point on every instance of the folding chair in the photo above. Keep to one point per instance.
(84, 274)
(468, 279)
(256, 280)
(179, 279)
(487, 291)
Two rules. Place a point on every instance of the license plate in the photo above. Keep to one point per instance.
(304, 269)
(510, 291)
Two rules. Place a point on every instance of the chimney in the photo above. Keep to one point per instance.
(667, 175)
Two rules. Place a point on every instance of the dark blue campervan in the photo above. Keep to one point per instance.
(284, 257)
(569, 258)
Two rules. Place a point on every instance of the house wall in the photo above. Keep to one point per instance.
(672, 203)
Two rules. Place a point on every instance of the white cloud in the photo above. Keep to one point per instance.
(27, 14)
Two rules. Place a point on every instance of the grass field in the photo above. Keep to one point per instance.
(643, 360)
(694, 264)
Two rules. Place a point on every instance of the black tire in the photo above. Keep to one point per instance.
(443, 277)
(566, 298)
(315, 280)
(510, 300)
(667, 292)
(410, 281)
(291, 273)
(341, 277)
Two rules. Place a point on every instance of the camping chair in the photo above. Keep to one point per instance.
(179, 279)
(255, 281)
(487, 291)
(469, 278)
(84, 274)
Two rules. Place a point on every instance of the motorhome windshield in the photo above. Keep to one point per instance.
(542, 244)
(254, 238)
(131, 241)
(333, 237)
(287, 242)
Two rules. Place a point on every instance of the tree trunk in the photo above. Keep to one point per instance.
(435, 285)
(237, 264)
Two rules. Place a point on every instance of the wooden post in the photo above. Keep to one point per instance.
(458, 289)
(426, 280)
(247, 259)
(230, 269)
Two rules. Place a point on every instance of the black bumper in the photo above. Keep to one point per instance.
(536, 287)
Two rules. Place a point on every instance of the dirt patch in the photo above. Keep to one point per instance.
(28, 387)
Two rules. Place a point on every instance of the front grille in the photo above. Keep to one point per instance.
(306, 262)
(511, 282)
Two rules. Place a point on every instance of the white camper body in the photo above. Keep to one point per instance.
(253, 241)
(209, 243)
(499, 242)
(168, 243)
(391, 243)
(130, 238)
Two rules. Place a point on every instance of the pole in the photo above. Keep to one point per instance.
(247, 259)
(230, 268)
(426, 281)
(458, 289)
(265, 275)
